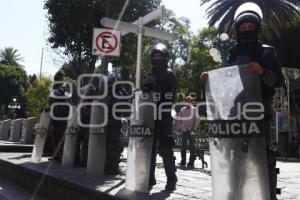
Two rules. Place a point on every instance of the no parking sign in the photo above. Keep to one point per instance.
(106, 42)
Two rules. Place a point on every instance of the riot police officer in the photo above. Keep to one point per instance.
(83, 132)
(161, 80)
(113, 140)
(263, 61)
(59, 111)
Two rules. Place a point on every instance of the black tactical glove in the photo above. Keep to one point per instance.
(149, 83)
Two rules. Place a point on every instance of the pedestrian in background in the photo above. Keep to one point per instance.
(187, 123)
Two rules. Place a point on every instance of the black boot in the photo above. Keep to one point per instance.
(170, 169)
(190, 165)
(112, 161)
(111, 171)
(182, 163)
(112, 164)
(183, 158)
(112, 168)
(152, 182)
(171, 183)
(83, 154)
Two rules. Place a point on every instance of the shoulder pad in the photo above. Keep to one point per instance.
(265, 46)
(148, 73)
(169, 70)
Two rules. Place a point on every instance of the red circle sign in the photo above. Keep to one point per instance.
(107, 45)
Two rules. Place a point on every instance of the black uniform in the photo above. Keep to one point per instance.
(81, 153)
(163, 81)
(113, 143)
(113, 128)
(249, 50)
(59, 126)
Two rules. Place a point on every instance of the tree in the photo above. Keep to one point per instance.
(74, 69)
(183, 76)
(277, 13)
(37, 95)
(13, 82)
(71, 25)
(200, 60)
(32, 78)
(288, 45)
(180, 27)
(10, 56)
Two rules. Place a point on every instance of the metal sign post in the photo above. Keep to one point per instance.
(149, 17)
(138, 28)
(139, 55)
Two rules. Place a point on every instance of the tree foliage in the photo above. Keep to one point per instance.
(10, 56)
(71, 24)
(200, 61)
(288, 45)
(13, 82)
(37, 95)
(180, 27)
(277, 13)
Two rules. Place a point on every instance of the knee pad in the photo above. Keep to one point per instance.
(165, 152)
(166, 141)
(167, 125)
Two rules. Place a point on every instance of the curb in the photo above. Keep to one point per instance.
(288, 159)
(16, 148)
(52, 187)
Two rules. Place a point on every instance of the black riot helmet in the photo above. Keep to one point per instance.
(160, 56)
(248, 12)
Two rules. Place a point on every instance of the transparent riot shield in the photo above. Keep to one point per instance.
(1, 125)
(4, 129)
(236, 135)
(40, 136)
(27, 130)
(97, 139)
(70, 141)
(140, 143)
(15, 130)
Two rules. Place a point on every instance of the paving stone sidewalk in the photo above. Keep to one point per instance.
(192, 184)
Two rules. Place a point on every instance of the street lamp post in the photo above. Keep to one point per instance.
(220, 48)
(14, 106)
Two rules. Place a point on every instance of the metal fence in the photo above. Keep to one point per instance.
(200, 139)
